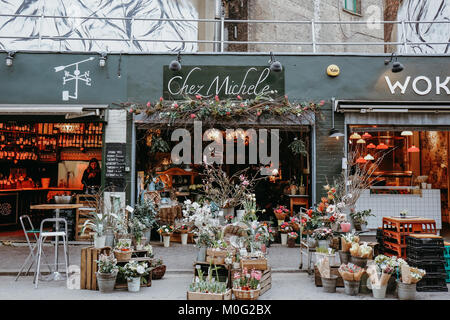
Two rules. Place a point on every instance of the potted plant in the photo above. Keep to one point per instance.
(359, 254)
(246, 286)
(360, 218)
(159, 269)
(96, 224)
(145, 212)
(166, 231)
(135, 272)
(292, 236)
(285, 228)
(301, 187)
(183, 229)
(137, 230)
(122, 250)
(107, 272)
(403, 213)
(208, 288)
(323, 235)
(351, 274)
(346, 243)
(281, 212)
(409, 276)
(379, 274)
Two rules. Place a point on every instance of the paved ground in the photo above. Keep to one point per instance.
(288, 282)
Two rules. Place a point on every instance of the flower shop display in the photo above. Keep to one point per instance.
(256, 260)
(246, 285)
(406, 285)
(360, 253)
(292, 236)
(107, 272)
(159, 269)
(208, 288)
(166, 231)
(137, 230)
(135, 273)
(323, 236)
(218, 252)
(96, 223)
(145, 212)
(346, 243)
(122, 250)
(329, 281)
(351, 274)
(183, 229)
(280, 213)
(380, 271)
(285, 228)
(360, 218)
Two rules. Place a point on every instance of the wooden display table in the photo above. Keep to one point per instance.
(299, 200)
(167, 215)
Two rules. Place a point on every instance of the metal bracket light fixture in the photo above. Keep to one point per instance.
(275, 65)
(102, 60)
(175, 65)
(334, 133)
(9, 58)
(396, 66)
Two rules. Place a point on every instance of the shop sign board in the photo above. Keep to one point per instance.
(420, 85)
(115, 166)
(223, 81)
(8, 208)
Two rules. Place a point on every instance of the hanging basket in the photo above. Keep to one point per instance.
(246, 294)
(280, 216)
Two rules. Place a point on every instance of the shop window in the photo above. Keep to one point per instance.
(352, 6)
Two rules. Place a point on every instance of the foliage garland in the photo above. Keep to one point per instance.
(212, 110)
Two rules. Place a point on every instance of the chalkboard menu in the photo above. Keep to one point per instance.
(8, 208)
(115, 166)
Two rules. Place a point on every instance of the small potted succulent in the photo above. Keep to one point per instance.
(166, 231)
(135, 272)
(107, 272)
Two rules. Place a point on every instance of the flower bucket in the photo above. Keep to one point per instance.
(99, 242)
(406, 291)
(324, 244)
(379, 293)
(331, 257)
(329, 284)
(147, 234)
(351, 288)
(240, 214)
(346, 226)
(123, 255)
(361, 262)
(312, 243)
(166, 241)
(344, 256)
(201, 254)
(106, 281)
(284, 239)
(184, 238)
(109, 238)
(134, 284)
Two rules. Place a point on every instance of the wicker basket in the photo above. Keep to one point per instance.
(280, 216)
(295, 226)
(123, 255)
(158, 272)
(246, 294)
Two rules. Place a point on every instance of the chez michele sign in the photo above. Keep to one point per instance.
(224, 81)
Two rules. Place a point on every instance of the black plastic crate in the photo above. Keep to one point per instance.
(424, 242)
(432, 282)
(428, 266)
(425, 253)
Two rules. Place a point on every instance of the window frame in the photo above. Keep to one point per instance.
(356, 7)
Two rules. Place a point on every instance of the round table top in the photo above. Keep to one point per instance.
(53, 206)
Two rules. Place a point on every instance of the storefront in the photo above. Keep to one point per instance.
(38, 79)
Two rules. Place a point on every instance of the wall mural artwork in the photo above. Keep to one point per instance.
(61, 30)
(435, 157)
(420, 10)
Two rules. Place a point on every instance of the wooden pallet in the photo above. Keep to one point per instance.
(89, 256)
(209, 296)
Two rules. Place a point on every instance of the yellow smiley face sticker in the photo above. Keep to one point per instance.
(333, 70)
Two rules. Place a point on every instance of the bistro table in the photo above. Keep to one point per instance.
(57, 207)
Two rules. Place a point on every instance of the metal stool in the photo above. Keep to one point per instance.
(56, 234)
(32, 246)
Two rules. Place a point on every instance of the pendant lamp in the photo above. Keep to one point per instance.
(382, 146)
(371, 146)
(366, 135)
(369, 157)
(406, 133)
(361, 160)
(413, 149)
(355, 135)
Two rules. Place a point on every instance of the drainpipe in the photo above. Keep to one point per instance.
(218, 30)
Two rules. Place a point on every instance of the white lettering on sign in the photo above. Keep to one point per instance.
(226, 84)
(421, 85)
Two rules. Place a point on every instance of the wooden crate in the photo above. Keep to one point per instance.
(224, 269)
(209, 296)
(176, 237)
(333, 271)
(257, 264)
(266, 281)
(88, 268)
(83, 214)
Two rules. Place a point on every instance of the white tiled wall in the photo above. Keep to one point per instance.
(385, 205)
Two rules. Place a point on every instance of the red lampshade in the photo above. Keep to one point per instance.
(366, 135)
(371, 146)
(361, 160)
(413, 149)
(382, 146)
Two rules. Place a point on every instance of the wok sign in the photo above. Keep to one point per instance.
(223, 81)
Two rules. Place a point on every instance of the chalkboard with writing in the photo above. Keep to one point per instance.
(115, 166)
(8, 209)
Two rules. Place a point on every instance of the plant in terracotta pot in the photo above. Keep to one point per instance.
(292, 236)
(159, 269)
(246, 285)
(107, 272)
(166, 231)
(135, 273)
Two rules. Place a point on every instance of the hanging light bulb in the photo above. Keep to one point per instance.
(413, 149)
(371, 146)
(369, 157)
(382, 146)
(355, 135)
(406, 133)
(366, 135)
(361, 141)
(361, 160)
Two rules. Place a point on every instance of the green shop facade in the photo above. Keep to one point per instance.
(365, 93)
